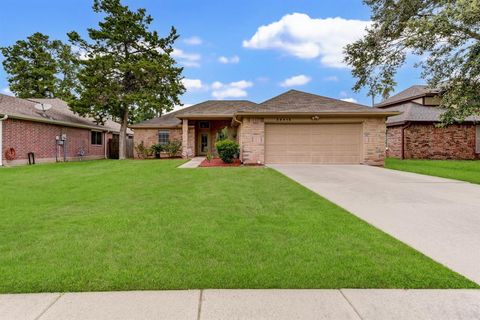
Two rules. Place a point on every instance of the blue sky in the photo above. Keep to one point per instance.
(230, 49)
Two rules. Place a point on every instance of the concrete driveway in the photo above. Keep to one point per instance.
(439, 217)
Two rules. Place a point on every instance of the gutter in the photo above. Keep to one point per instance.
(331, 114)
(5, 117)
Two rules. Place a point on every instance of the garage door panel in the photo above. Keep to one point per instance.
(313, 143)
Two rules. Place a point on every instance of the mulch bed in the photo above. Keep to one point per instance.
(217, 162)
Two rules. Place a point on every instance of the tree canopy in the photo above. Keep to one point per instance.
(40, 68)
(445, 34)
(127, 71)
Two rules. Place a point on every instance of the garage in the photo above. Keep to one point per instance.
(335, 143)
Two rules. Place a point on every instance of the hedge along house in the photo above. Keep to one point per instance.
(294, 127)
(56, 134)
(415, 134)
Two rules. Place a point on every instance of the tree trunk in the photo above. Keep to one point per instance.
(122, 148)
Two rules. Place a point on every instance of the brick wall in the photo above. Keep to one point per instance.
(28, 136)
(394, 142)
(425, 141)
(374, 131)
(252, 141)
(150, 137)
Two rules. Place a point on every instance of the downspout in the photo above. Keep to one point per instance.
(5, 117)
(403, 138)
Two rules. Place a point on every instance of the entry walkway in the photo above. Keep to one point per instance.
(193, 163)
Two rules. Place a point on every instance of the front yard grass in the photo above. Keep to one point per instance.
(137, 225)
(465, 170)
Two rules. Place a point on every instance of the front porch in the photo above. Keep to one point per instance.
(200, 135)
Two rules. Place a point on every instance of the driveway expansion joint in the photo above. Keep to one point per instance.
(350, 303)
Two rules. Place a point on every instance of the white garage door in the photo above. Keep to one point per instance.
(313, 143)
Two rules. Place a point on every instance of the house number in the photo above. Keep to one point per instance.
(284, 119)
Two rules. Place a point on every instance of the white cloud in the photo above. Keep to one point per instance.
(331, 79)
(352, 100)
(307, 38)
(232, 59)
(187, 59)
(193, 84)
(294, 81)
(193, 41)
(235, 89)
(7, 91)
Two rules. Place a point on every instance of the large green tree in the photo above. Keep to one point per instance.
(445, 34)
(40, 68)
(127, 71)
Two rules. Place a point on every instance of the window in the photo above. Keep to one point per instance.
(163, 137)
(478, 139)
(97, 138)
(204, 124)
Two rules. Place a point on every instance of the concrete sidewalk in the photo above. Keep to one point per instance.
(193, 163)
(245, 304)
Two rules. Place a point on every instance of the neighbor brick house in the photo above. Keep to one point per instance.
(294, 127)
(56, 134)
(415, 134)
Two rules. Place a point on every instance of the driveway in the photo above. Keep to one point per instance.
(439, 217)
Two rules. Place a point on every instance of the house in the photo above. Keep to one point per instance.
(51, 131)
(294, 127)
(415, 134)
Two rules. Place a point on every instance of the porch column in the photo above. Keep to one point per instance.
(185, 138)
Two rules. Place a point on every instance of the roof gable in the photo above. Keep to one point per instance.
(411, 93)
(294, 101)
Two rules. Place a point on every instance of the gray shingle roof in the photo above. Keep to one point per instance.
(412, 112)
(23, 108)
(225, 108)
(294, 101)
(168, 120)
(410, 93)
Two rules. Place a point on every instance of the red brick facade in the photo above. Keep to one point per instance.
(426, 141)
(28, 136)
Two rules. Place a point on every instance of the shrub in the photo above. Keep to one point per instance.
(209, 156)
(156, 149)
(227, 150)
(142, 151)
(172, 148)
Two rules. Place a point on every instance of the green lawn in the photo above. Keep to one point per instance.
(466, 170)
(111, 225)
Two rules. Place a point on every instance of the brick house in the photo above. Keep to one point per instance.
(56, 134)
(294, 127)
(414, 133)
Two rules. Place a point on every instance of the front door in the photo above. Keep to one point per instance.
(203, 143)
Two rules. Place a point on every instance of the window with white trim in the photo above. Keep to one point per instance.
(163, 137)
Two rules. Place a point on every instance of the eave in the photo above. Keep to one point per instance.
(59, 123)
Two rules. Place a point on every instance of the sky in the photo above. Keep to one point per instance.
(245, 49)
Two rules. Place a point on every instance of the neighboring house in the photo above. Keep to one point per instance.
(56, 134)
(415, 134)
(294, 127)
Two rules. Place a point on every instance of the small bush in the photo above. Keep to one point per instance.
(156, 149)
(142, 151)
(172, 148)
(227, 150)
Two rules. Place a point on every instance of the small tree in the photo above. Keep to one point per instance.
(128, 72)
(40, 68)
